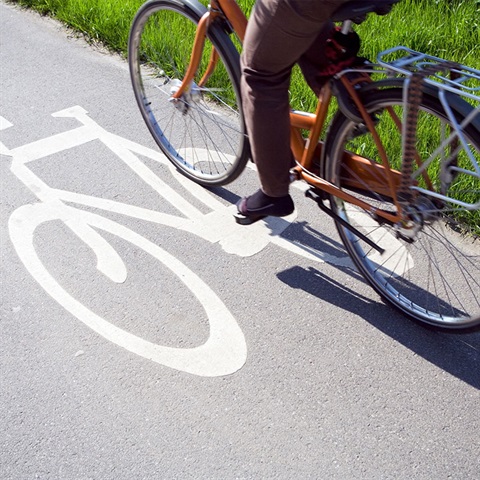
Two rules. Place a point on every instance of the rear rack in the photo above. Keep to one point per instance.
(451, 76)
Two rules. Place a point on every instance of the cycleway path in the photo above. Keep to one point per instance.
(147, 335)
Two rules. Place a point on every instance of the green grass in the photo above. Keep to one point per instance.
(448, 28)
(105, 21)
(444, 28)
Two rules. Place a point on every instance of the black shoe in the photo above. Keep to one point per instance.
(261, 205)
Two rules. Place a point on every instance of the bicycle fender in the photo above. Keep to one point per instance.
(220, 29)
(345, 102)
(194, 5)
(349, 109)
(456, 102)
(200, 9)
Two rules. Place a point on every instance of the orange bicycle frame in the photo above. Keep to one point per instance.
(304, 150)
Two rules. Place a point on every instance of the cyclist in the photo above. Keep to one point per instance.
(280, 33)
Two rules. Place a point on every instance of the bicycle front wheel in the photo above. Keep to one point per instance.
(430, 267)
(203, 132)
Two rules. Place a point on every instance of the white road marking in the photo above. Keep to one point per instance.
(225, 350)
(223, 353)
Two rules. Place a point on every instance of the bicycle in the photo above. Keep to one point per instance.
(396, 170)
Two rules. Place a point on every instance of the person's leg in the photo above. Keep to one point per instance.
(279, 33)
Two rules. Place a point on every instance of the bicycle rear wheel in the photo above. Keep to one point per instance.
(203, 133)
(430, 269)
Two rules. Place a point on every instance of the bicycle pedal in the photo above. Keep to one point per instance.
(247, 219)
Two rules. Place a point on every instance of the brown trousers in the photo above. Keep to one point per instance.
(280, 33)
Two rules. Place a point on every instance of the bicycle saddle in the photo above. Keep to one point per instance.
(357, 11)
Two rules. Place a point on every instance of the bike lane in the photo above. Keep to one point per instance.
(315, 372)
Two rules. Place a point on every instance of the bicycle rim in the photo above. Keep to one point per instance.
(430, 270)
(203, 132)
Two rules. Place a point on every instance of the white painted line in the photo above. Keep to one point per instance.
(223, 353)
(225, 350)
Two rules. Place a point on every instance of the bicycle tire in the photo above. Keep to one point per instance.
(202, 134)
(433, 277)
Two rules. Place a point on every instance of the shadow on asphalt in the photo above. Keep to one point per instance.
(457, 354)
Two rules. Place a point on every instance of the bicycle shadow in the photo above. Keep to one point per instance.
(457, 354)
(448, 351)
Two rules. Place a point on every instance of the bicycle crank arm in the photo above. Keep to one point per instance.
(311, 193)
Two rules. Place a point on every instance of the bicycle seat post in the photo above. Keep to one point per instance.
(346, 26)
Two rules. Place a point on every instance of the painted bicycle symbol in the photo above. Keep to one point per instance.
(225, 351)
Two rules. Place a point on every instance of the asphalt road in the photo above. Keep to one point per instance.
(144, 335)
